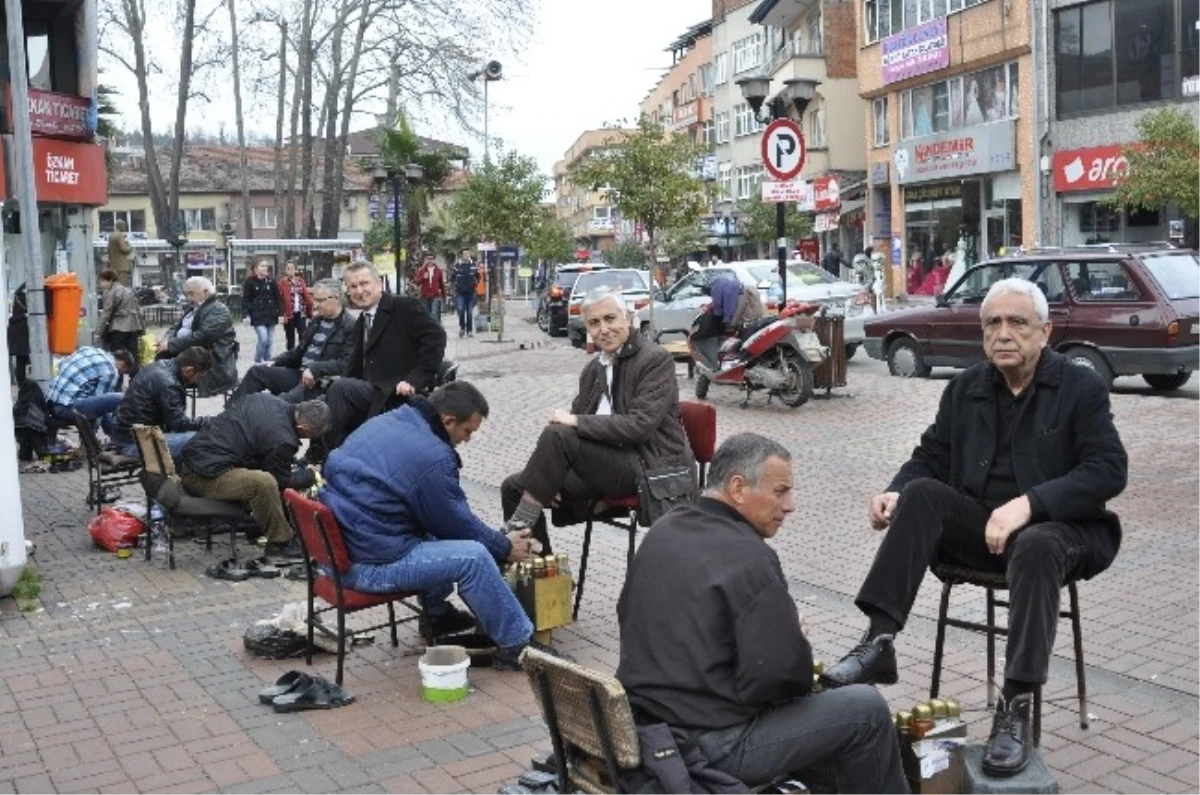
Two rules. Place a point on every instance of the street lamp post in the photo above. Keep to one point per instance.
(799, 92)
(728, 219)
(411, 173)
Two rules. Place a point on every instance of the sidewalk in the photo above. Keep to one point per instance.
(131, 677)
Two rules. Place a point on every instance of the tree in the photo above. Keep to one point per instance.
(1163, 164)
(758, 221)
(681, 242)
(625, 254)
(550, 241)
(240, 119)
(501, 201)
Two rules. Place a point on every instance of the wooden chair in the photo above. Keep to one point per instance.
(105, 469)
(700, 425)
(162, 486)
(327, 562)
(991, 582)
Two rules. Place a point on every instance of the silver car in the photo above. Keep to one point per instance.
(633, 285)
(806, 282)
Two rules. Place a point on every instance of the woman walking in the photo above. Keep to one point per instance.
(262, 306)
(121, 319)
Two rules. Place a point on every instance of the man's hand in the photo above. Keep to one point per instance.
(522, 546)
(308, 379)
(405, 389)
(564, 417)
(883, 506)
(162, 344)
(1006, 520)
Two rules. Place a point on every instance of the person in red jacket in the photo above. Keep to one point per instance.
(432, 283)
(297, 304)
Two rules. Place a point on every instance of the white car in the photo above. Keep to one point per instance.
(806, 282)
(635, 293)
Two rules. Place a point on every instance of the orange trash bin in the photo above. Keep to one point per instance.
(64, 297)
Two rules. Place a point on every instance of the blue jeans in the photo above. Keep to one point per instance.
(433, 568)
(175, 441)
(96, 407)
(434, 307)
(262, 351)
(466, 307)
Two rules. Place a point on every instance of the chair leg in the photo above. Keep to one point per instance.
(1080, 676)
(632, 542)
(170, 545)
(991, 648)
(583, 560)
(392, 623)
(939, 644)
(312, 618)
(1037, 716)
(341, 645)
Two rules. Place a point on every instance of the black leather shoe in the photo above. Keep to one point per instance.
(871, 662)
(1007, 749)
(452, 622)
(284, 550)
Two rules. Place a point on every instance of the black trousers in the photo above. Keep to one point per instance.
(293, 328)
(934, 522)
(282, 381)
(123, 341)
(350, 401)
(573, 469)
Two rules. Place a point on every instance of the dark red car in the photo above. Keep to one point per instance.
(1121, 310)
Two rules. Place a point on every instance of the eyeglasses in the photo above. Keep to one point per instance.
(326, 298)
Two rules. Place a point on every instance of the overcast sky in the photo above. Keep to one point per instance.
(586, 64)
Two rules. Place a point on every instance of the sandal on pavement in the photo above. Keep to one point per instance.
(320, 694)
(261, 567)
(288, 683)
(227, 570)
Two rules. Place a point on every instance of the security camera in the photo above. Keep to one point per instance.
(493, 70)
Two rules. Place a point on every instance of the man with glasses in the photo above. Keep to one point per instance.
(323, 353)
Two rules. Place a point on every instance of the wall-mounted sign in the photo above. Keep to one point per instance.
(1091, 168)
(929, 193)
(971, 150)
(793, 190)
(1191, 86)
(825, 222)
(67, 172)
(826, 195)
(916, 51)
(879, 174)
(58, 115)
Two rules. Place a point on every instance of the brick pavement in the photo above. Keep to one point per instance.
(130, 677)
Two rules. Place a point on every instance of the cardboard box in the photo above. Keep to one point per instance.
(547, 602)
(934, 765)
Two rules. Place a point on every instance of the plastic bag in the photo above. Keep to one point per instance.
(113, 529)
(274, 643)
(147, 349)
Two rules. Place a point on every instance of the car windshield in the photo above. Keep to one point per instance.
(798, 272)
(566, 279)
(1177, 274)
(626, 281)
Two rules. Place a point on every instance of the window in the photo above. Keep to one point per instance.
(135, 220)
(723, 127)
(691, 88)
(724, 183)
(37, 57)
(743, 120)
(816, 128)
(1189, 40)
(748, 180)
(708, 133)
(201, 219)
(883, 18)
(264, 217)
(747, 53)
(879, 108)
(706, 80)
(721, 69)
(1101, 281)
(1118, 54)
(814, 34)
(975, 98)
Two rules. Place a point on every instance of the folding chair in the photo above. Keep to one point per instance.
(117, 470)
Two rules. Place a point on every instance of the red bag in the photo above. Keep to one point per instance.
(113, 528)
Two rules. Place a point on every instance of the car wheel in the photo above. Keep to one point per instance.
(905, 361)
(851, 350)
(576, 342)
(543, 319)
(1094, 360)
(1164, 382)
(701, 386)
(557, 332)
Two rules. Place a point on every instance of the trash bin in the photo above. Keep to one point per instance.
(64, 296)
(830, 330)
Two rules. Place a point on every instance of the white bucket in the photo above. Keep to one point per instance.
(444, 673)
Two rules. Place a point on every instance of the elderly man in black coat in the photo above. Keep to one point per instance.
(1012, 477)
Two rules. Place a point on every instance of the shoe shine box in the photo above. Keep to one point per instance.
(547, 601)
(933, 764)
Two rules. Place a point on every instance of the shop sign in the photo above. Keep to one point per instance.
(1191, 86)
(1093, 168)
(809, 248)
(825, 222)
(69, 173)
(793, 190)
(916, 51)
(972, 150)
(879, 174)
(60, 115)
(929, 193)
(825, 194)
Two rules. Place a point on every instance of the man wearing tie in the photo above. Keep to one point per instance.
(397, 351)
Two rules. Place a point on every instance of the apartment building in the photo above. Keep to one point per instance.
(681, 101)
(595, 224)
(952, 168)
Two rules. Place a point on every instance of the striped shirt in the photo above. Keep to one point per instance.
(85, 373)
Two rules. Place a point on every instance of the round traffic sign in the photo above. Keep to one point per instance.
(783, 149)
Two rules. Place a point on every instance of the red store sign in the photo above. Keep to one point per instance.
(1093, 168)
(826, 195)
(66, 172)
(57, 115)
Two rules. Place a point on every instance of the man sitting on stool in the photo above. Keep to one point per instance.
(87, 383)
(323, 352)
(156, 396)
(245, 454)
(625, 417)
(1011, 477)
(711, 642)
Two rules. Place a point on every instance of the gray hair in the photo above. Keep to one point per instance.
(600, 294)
(202, 282)
(360, 265)
(1015, 285)
(331, 286)
(743, 455)
(314, 414)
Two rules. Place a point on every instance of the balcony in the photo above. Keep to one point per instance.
(796, 47)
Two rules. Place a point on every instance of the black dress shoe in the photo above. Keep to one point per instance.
(284, 550)
(871, 662)
(451, 622)
(1007, 749)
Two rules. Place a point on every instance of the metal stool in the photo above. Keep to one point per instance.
(991, 582)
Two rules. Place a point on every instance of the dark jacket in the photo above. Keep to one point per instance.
(1066, 453)
(645, 405)
(406, 344)
(212, 328)
(394, 483)
(156, 397)
(261, 301)
(710, 636)
(18, 325)
(335, 353)
(256, 432)
(464, 276)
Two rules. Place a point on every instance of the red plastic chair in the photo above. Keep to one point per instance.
(327, 562)
(700, 424)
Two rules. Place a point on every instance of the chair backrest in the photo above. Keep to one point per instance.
(700, 423)
(156, 456)
(319, 531)
(583, 707)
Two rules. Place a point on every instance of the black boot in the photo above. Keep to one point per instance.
(871, 662)
(1007, 749)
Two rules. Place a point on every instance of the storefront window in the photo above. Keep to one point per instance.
(976, 98)
(1189, 40)
(939, 221)
(1092, 222)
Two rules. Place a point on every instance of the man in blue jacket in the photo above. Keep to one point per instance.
(394, 488)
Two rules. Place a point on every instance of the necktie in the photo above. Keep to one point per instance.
(370, 318)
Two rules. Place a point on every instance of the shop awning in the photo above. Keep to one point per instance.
(144, 246)
(265, 245)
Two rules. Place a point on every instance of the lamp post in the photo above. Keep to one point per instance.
(727, 219)
(491, 71)
(799, 92)
(412, 173)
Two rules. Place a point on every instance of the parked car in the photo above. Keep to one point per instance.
(806, 282)
(552, 311)
(635, 292)
(1121, 310)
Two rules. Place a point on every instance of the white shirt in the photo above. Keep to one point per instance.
(604, 409)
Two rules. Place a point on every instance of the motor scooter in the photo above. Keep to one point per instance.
(777, 353)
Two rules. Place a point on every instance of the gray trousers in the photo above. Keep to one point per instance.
(847, 731)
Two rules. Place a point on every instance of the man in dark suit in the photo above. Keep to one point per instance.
(397, 351)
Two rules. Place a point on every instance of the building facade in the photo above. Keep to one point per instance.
(952, 166)
(593, 222)
(681, 100)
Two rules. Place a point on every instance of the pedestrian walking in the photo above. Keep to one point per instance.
(121, 318)
(465, 276)
(18, 335)
(262, 306)
(834, 261)
(432, 284)
(297, 304)
(119, 253)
